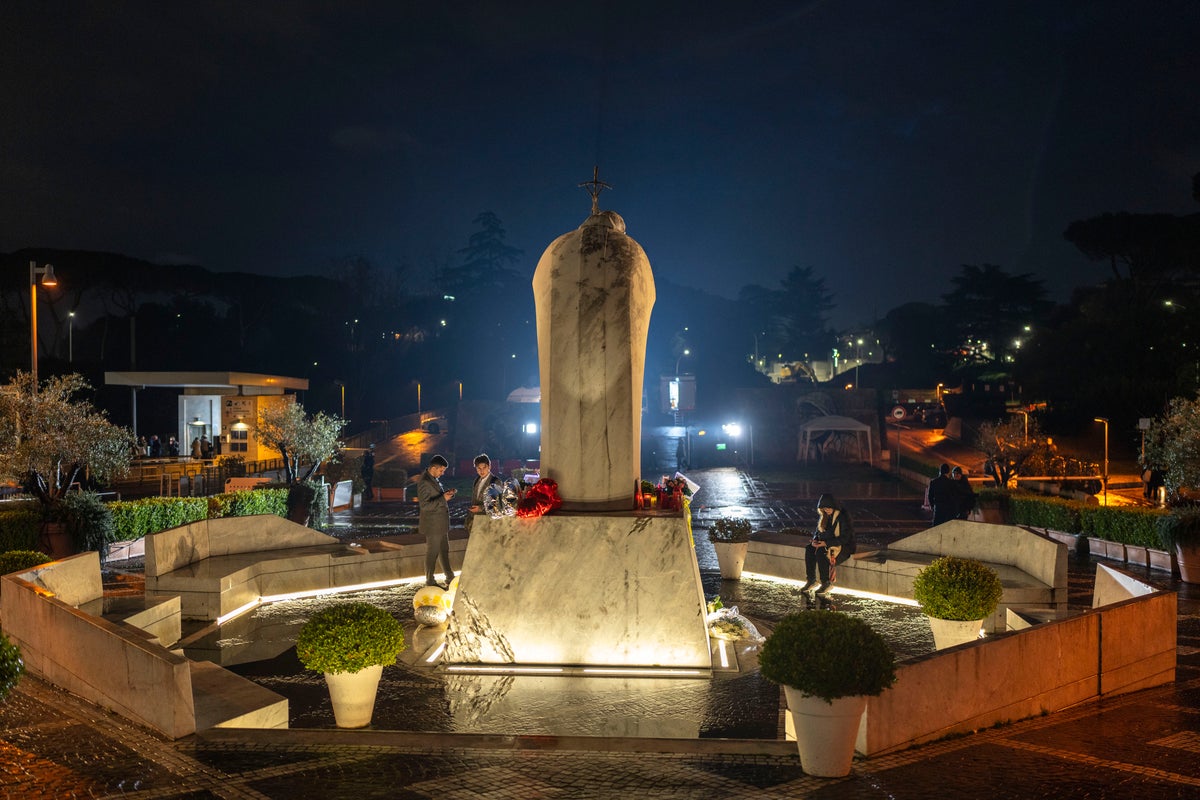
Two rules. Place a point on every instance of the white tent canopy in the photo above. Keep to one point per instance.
(835, 424)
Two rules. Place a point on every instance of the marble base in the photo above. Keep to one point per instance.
(579, 589)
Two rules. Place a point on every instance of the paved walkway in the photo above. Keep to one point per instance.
(1144, 745)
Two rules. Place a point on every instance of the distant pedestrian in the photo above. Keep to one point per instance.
(940, 496)
(367, 472)
(196, 450)
(206, 450)
(172, 447)
(155, 447)
(964, 495)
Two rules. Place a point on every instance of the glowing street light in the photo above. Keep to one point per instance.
(71, 337)
(48, 280)
(1105, 421)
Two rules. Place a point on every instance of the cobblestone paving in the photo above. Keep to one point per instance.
(1141, 746)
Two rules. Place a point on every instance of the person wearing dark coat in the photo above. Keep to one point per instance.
(942, 498)
(367, 471)
(963, 494)
(433, 504)
(832, 543)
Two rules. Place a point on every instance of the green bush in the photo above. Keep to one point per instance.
(249, 503)
(11, 666)
(1037, 511)
(729, 529)
(348, 638)
(133, 519)
(21, 560)
(1180, 526)
(20, 524)
(827, 654)
(88, 520)
(1128, 525)
(957, 589)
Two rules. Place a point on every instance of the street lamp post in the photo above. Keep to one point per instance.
(1105, 421)
(71, 337)
(857, 362)
(1026, 415)
(48, 280)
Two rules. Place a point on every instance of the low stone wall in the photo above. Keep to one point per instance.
(119, 666)
(1118, 648)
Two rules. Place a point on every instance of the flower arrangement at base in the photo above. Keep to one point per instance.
(349, 638)
(540, 499)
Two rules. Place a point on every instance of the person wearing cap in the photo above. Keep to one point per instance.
(434, 521)
(484, 479)
(963, 494)
(942, 498)
(832, 543)
(367, 471)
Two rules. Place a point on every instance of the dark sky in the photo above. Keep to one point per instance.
(883, 144)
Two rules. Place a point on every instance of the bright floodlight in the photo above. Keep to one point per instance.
(530, 427)
(732, 428)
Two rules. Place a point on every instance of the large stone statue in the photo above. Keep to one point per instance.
(593, 291)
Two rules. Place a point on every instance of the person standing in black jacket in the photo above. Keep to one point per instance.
(942, 497)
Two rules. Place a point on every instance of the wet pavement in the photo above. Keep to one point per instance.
(425, 743)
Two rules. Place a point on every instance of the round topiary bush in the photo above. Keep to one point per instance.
(348, 638)
(729, 529)
(21, 560)
(957, 589)
(827, 654)
(11, 666)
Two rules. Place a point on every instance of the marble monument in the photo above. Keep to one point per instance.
(598, 584)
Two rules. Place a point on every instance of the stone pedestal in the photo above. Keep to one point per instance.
(581, 590)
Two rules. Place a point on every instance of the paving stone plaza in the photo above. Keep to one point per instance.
(552, 743)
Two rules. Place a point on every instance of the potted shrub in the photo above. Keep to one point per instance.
(730, 537)
(828, 664)
(1179, 533)
(351, 644)
(88, 522)
(11, 665)
(957, 595)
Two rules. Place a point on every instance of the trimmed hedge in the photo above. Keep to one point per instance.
(133, 519)
(20, 524)
(245, 504)
(1134, 525)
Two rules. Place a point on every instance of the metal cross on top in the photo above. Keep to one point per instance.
(594, 187)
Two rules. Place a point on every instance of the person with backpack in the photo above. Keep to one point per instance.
(832, 543)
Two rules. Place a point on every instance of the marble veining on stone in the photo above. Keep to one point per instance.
(580, 589)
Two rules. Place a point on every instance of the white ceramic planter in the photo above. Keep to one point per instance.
(731, 556)
(353, 695)
(825, 732)
(950, 632)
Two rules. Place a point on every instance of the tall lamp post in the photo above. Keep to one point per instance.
(857, 362)
(48, 280)
(1105, 421)
(1024, 413)
(678, 388)
(71, 337)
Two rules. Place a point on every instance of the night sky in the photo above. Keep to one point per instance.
(883, 144)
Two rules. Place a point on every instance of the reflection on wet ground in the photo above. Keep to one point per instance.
(415, 697)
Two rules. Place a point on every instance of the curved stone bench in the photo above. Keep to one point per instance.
(220, 567)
